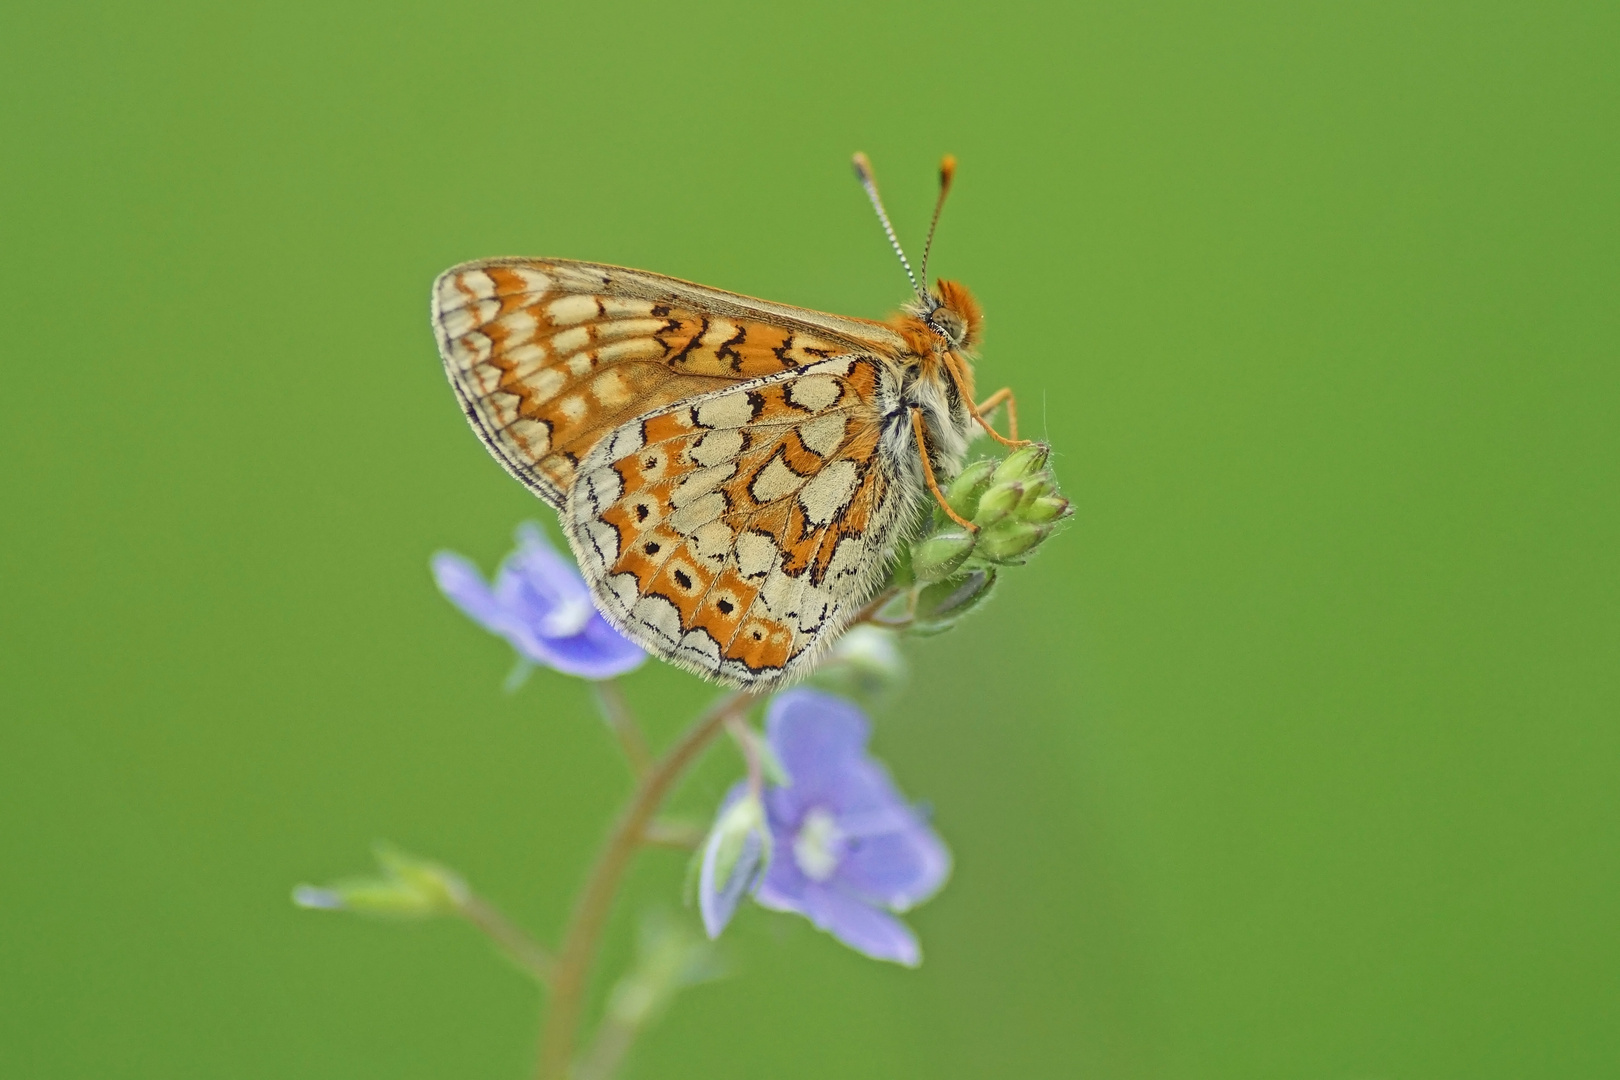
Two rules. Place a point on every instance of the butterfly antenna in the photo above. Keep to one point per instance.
(863, 173)
(947, 171)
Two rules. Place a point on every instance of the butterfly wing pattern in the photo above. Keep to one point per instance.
(736, 532)
(546, 356)
(720, 463)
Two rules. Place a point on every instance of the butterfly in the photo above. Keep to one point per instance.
(733, 475)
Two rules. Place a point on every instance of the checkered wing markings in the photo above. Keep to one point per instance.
(547, 356)
(735, 533)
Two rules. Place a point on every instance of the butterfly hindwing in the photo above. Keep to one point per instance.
(735, 532)
(548, 356)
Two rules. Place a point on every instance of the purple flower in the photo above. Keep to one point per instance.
(847, 849)
(539, 604)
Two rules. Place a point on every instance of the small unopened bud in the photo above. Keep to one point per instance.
(942, 603)
(1010, 540)
(1034, 488)
(865, 664)
(1047, 508)
(938, 556)
(734, 856)
(316, 898)
(997, 503)
(963, 492)
(1022, 463)
(409, 888)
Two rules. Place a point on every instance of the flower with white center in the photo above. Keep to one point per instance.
(539, 603)
(849, 851)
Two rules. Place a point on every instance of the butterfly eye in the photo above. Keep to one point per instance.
(950, 325)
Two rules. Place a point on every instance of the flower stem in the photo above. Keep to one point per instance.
(680, 835)
(744, 738)
(572, 969)
(869, 613)
(508, 936)
(616, 711)
(603, 1058)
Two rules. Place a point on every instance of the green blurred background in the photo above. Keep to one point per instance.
(1293, 757)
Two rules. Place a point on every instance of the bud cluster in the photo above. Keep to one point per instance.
(1013, 504)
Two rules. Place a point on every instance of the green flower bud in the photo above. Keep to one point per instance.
(1047, 508)
(1034, 488)
(1010, 540)
(410, 888)
(997, 503)
(944, 602)
(963, 492)
(938, 556)
(901, 576)
(864, 664)
(1022, 463)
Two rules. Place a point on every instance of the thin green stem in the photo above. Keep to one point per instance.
(602, 1059)
(869, 613)
(571, 972)
(681, 835)
(622, 722)
(748, 746)
(508, 936)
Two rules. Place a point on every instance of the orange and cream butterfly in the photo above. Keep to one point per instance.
(733, 475)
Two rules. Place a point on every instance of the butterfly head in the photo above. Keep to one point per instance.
(948, 318)
(949, 312)
(954, 315)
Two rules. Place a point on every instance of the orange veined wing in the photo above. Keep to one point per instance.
(549, 355)
(737, 532)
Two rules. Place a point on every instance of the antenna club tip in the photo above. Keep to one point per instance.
(863, 167)
(947, 169)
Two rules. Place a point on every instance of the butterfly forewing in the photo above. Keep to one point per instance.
(548, 356)
(735, 532)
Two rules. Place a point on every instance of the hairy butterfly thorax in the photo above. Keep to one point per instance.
(939, 334)
(733, 474)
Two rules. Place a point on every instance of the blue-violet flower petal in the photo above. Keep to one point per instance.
(540, 605)
(848, 848)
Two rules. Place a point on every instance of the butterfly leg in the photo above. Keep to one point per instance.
(928, 473)
(953, 364)
(1004, 394)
